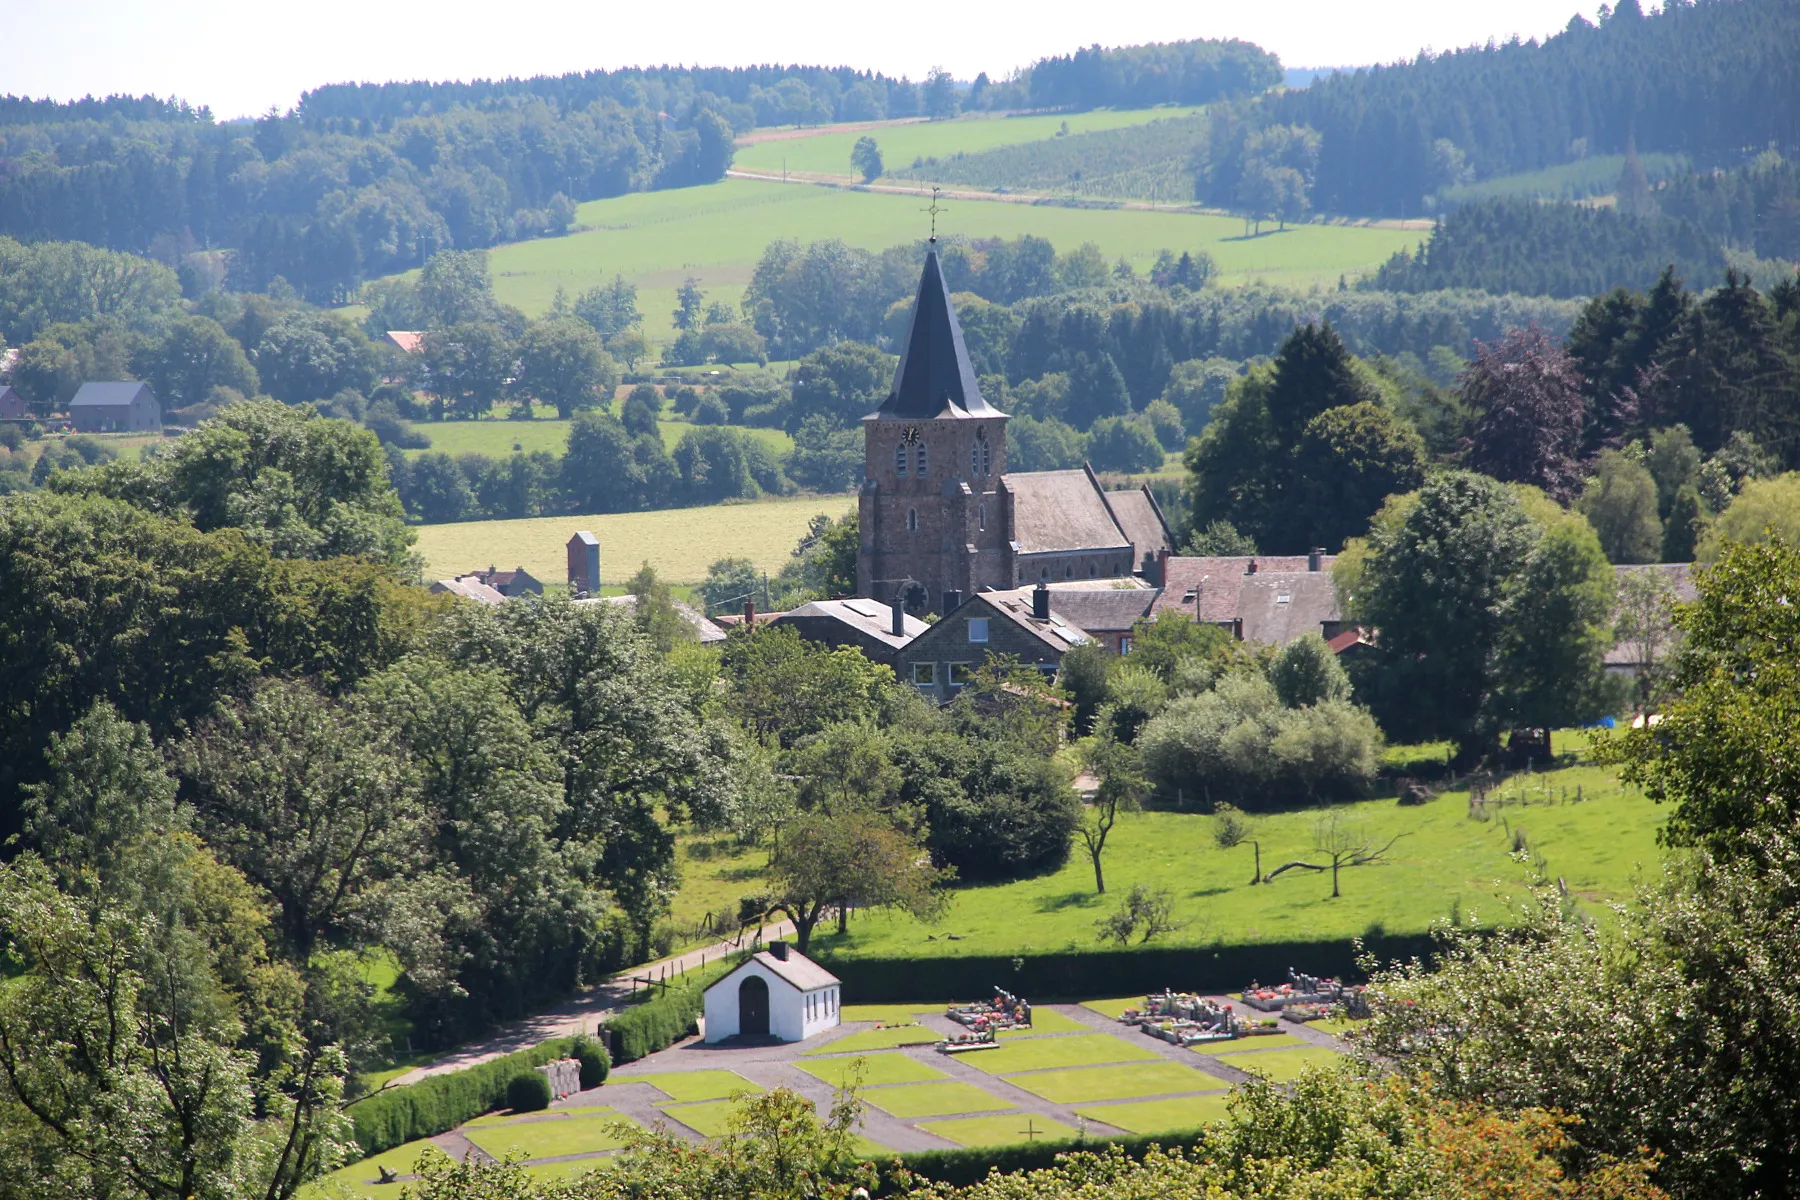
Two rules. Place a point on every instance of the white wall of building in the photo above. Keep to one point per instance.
(794, 1015)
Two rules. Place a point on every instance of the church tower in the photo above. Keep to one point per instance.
(931, 511)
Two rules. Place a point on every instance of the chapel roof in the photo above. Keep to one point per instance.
(935, 377)
(1062, 512)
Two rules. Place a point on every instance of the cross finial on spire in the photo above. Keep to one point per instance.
(934, 210)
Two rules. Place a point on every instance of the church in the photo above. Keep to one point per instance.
(942, 518)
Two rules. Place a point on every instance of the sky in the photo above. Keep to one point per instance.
(241, 58)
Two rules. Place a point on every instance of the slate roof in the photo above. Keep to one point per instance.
(796, 969)
(469, 589)
(109, 395)
(703, 629)
(1139, 516)
(935, 378)
(1277, 604)
(1099, 610)
(1062, 512)
(1277, 608)
(870, 617)
(1014, 604)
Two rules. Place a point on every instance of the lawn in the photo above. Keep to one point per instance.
(828, 153)
(681, 543)
(1446, 864)
(1163, 1116)
(693, 1085)
(711, 1117)
(549, 1139)
(1041, 1054)
(1088, 1084)
(508, 1117)
(877, 1069)
(1114, 1008)
(1280, 1066)
(1046, 1020)
(1266, 1041)
(933, 1100)
(716, 234)
(361, 1178)
(998, 1131)
(879, 1039)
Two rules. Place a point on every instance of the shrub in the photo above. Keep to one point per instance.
(710, 410)
(528, 1091)
(595, 1066)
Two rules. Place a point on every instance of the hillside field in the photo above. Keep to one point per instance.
(718, 232)
(499, 437)
(681, 543)
(1446, 863)
(828, 153)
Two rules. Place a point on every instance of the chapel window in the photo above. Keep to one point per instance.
(912, 520)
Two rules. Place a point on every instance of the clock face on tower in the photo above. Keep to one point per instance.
(910, 434)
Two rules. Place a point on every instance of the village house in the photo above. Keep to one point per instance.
(1267, 599)
(775, 993)
(467, 587)
(516, 582)
(704, 631)
(880, 631)
(12, 405)
(1019, 622)
(124, 407)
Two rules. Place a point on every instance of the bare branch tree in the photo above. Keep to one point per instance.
(1122, 789)
(1345, 844)
(1231, 828)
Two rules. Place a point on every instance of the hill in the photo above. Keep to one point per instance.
(1149, 161)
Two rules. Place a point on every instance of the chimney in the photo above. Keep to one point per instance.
(779, 950)
(1161, 578)
(1252, 568)
(1237, 628)
(899, 626)
(1315, 559)
(749, 611)
(1040, 602)
(952, 601)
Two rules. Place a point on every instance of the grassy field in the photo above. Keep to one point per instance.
(498, 438)
(681, 543)
(901, 142)
(716, 234)
(1446, 863)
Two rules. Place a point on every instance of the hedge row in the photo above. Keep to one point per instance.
(439, 1103)
(1080, 974)
(666, 1018)
(960, 1168)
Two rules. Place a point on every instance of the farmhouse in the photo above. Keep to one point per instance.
(938, 511)
(12, 405)
(778, 993)
(1019, 622)
(1269, 599)
(516, 582)
(467, 587)
(127, 407)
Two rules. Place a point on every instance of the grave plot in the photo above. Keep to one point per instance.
(1044, 1053)
(878, 1039)
(1085, 1084)
(1162, 1116)
(1045, 1020)
(1243, 1045)
(693, 1085)
(1280, 1066)
(1113, 1008)
(911, 1100)
(878, 1069)
(549, 1139)
(999, 1131)
(709, 1117)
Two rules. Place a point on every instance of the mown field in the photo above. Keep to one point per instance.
(1444, 864)
(681, 543)
(497, 437)
(827, 153)
(1139, 162)
(717, 233)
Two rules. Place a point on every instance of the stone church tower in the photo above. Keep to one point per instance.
(931, 509)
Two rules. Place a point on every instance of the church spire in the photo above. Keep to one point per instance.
(935, 378)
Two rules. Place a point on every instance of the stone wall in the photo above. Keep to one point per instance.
(564, 1075)
(945, 530)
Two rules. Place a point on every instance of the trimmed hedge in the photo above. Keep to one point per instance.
(666, 1018)
(1079, 974)
(595, 1066)
(528, 1091)
(960, 1168)
(439, 1103)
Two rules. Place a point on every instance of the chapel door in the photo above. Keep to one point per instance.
(753, 1007)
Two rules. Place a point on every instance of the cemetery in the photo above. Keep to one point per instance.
(1042, 1072)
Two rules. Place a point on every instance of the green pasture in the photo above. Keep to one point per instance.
(877, 1069)
(825, 152)
(716, 234)
(1129, 1082)
(1445, 864)
(1042, 1054)
(933, 1100)
(998, 1131)
(1163, 1116)
(681, 543)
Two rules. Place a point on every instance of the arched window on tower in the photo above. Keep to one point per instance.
(981, 517)
(921, 462)
(900, 460)
(912, 520)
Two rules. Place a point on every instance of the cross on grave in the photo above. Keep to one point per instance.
(1031, 1131)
